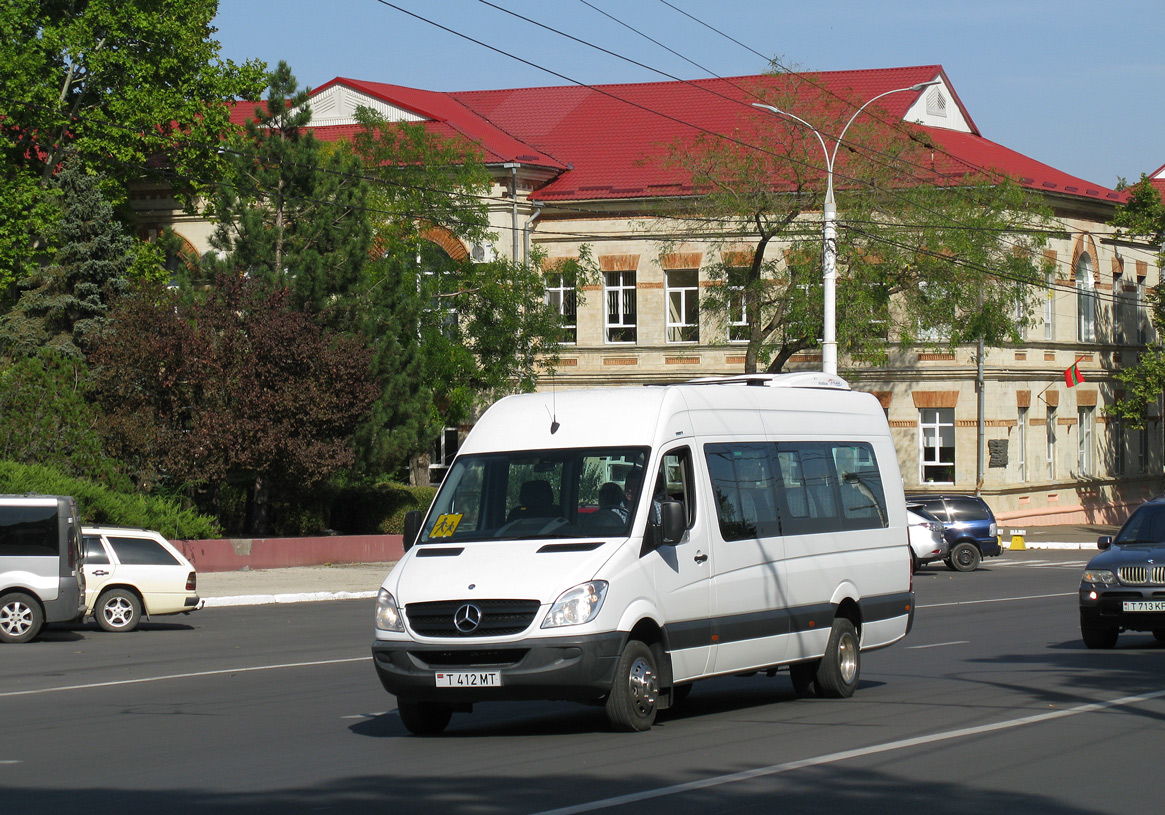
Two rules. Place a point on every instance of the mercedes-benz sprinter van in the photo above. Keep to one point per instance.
(41, 580)
(613, 546)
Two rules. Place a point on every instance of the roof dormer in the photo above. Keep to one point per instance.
(937, 107)
(336, 105)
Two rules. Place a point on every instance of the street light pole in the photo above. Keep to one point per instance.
(829, 225)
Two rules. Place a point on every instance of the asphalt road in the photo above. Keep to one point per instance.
(992, 704)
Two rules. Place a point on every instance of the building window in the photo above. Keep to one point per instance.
(1084, 450)
(444, 451)
(1143, 449)
(683, 305)
(737, 317)
(1021, 444)
(936, 440)
(619, 292)
(561, 294)
(1139, 319)
(1086, 300)
(1050, 306)
(1117, 441)
(1050, 428)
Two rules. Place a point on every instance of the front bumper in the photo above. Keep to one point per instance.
(1106, 610)
(559, 668)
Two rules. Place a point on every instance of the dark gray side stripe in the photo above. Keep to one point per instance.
(773, 622)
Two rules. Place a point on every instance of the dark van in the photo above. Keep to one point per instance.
(41, 580)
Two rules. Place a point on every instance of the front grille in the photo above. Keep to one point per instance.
(499, 618)
(1142, 575)
(478, 658)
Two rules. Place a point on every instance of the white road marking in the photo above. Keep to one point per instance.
(1000, 600)
(11, 761)
(937, 645)
(845, 755)
(369, 715)
(183, 676)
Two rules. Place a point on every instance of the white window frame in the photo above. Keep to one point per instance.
(620, 307)
(562, 295)
(737, 317)
(1085, 440)
(1086, 300)
(682, 301)
(935, 425)
(1050, 306)
(1021, 444)
(1050, 447)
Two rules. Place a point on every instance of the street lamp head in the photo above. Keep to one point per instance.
(922, 85)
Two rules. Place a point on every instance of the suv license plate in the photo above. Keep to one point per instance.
(1144, 605)
(469, 679)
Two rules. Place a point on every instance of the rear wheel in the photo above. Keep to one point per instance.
(118, 610)
(1103, 638)
(21, 617)
(424, 718)
(632, 703)
(837, 675)
(964, 557)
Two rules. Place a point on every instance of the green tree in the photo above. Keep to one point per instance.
(240, 389)
(1143, 215)
(62, 305)
(292, 211)
(910, 245)
(128, 85)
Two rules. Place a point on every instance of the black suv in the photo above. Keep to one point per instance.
(1123, 588)
(968, 525)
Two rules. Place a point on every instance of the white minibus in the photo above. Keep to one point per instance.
(613, 546)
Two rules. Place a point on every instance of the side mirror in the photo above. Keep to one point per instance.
(412, 528)
(675, 521)
(1104, 542)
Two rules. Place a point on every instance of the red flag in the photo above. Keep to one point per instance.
(1072, 376)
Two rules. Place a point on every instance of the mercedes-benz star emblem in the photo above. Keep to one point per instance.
(467, 618)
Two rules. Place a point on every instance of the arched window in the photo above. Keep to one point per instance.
(1086, 300)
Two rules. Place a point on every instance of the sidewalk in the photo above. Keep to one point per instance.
(296, 584)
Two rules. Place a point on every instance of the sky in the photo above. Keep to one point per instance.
(1076, 84)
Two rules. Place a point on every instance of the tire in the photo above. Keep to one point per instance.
(915, 563)
(837, 675)
(118, 610)
(424, 718)
(633, 700)
(21, 617)
(804, 678)
(964, 557)
(1100, 638)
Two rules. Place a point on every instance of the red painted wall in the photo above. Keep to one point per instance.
(277, 553)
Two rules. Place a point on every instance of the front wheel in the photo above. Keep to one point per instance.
(964, 557)
(632, 704)
(20, 618)
(118, 610)
(837, 675)
(424, 718)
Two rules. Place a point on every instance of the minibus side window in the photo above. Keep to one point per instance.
(863, 500)
(829, 487)
(743, 482)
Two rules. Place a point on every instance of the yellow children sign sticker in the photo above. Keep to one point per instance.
(445, 527)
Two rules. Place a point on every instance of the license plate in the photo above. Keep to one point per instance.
(469, 679)
(1144, 605)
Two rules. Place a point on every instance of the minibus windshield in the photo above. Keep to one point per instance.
(573, 493)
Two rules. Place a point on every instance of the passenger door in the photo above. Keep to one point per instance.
(681, 571)
(749, 595)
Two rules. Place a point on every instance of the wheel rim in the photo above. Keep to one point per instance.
(847, 658)
(965, 556)
(118, 612)
(643, 687)
(15, 619)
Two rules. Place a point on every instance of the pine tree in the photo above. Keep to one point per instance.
(63, 305)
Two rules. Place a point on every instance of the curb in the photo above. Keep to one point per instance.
(302, 597)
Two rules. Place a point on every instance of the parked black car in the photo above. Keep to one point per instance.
(968, 524)
(1123, 588)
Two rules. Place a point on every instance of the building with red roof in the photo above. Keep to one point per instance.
(580, 165)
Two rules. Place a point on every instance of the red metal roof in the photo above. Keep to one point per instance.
(608, 141)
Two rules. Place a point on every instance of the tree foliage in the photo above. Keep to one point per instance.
(292, 211)
(240, 387)
(63, 304)
(1143, 216)
(910, 245)
(132, 86)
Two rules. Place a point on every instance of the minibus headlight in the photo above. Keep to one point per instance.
(388, 616)
(1101, 577)
(578, 605)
